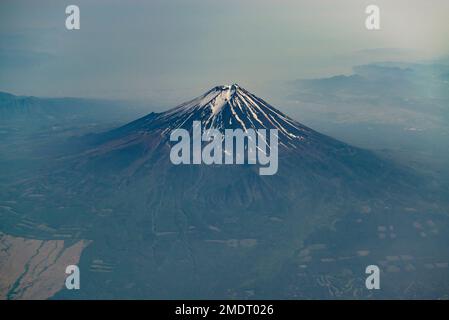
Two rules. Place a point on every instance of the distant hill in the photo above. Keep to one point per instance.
(41, 112)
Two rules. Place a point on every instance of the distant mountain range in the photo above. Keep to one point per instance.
(40, 113)
(388, 80)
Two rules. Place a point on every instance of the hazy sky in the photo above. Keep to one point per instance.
(173, 50)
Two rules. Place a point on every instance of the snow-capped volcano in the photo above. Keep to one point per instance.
(223, 107)
(226, 107)
(231, 106)
(173, 228)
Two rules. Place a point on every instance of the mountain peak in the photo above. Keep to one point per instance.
(220, 96)
(229, 107)
(225, 107)
(229, 87)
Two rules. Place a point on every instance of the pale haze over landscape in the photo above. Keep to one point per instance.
(164, 51)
